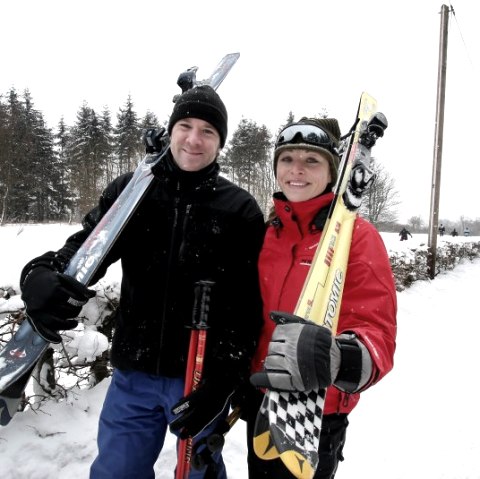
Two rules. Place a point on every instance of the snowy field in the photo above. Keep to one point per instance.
(420, 422)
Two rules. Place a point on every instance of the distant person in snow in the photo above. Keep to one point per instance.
(404, 234)
(454, 232)
(192, 225)
(298, 355)
(466, 231)
(441, 229)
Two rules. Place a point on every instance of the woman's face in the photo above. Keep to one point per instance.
(302, 174)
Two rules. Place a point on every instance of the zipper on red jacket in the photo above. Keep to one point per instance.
(346, 400)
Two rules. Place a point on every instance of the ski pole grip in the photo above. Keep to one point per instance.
(201, 305)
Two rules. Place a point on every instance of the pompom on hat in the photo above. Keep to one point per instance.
(315, 134)
(204, 103)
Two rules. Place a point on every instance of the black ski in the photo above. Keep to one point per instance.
(20, 355)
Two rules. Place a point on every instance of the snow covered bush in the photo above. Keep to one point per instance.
(411, 265)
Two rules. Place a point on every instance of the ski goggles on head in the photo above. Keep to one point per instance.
(308, 134)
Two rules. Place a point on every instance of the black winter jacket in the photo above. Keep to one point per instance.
(189, 227)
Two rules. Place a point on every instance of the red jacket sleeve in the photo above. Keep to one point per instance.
(369, 303)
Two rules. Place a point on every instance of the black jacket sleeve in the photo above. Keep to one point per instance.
(58, 261)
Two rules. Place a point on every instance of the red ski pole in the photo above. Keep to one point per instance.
(193, 375)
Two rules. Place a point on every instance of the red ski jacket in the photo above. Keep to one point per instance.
(369, 303)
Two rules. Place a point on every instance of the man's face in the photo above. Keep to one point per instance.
(194, 144)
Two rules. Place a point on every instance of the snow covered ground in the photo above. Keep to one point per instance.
(420, 422)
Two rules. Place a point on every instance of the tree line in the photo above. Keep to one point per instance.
(58, 175)
(48, 175)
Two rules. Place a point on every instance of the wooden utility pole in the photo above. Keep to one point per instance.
(437, 150)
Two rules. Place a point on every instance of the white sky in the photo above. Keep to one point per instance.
(420, 422)
(302, 56)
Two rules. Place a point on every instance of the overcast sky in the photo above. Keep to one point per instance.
(302, 56)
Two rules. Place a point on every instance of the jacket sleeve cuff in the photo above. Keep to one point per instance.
(355, 366)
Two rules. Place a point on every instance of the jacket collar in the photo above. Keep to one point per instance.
(309, 215)
(168, 172)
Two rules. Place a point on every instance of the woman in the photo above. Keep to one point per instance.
(305, 165)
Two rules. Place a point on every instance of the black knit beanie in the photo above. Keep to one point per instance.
(331, 127)
(204, 103)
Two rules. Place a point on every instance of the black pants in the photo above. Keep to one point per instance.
(332, 440)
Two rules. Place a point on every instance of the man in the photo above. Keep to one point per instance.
(404, 233)
(192, 225)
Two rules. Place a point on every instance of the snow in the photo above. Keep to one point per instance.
(419, 422)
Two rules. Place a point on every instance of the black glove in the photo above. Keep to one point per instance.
(51, 298)
(301, 356)
(197, 410)
(246, 399)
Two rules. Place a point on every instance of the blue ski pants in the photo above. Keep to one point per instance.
(133, 424)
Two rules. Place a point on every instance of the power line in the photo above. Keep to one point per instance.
(461, 35)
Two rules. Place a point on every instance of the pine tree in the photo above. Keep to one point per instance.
(150, 120)
(66, 197)
(107, 148)
(4, 160)
(14, 144)
(127, 138)
(29, 150)
(247, 160)
(86, 159)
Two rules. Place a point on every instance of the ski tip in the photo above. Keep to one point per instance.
(366, 94)
(262, 442)
(368, 100)
(8, 408)
(227, 62)
(264, 447)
